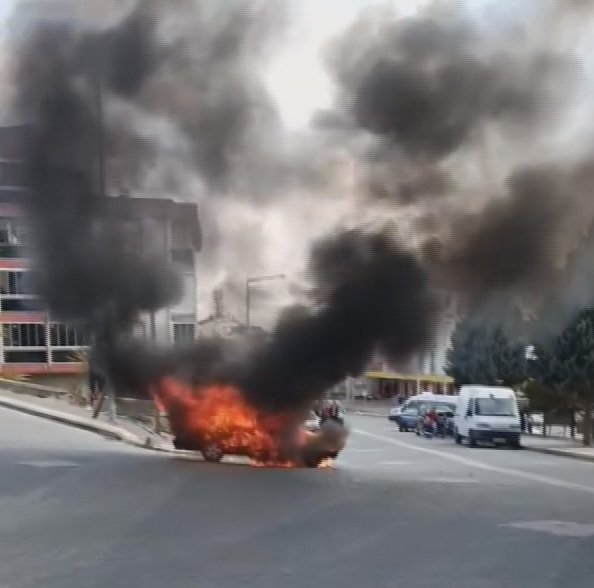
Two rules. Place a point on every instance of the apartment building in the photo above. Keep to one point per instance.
(32, 342)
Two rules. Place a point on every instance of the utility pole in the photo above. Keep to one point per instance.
(108, 393)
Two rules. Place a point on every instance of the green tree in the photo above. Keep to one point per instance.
(565, 370)
(482, 352)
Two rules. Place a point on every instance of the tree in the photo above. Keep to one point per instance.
(566, 368)
(482, 352)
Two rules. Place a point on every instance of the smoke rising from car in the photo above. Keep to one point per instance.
(451, 131)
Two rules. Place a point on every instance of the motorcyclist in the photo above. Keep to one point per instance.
(431, 422)
(331, 411)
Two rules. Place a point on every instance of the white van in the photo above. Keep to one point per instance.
(426, 399)
(487, 413)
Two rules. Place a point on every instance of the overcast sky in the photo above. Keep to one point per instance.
(297, 77)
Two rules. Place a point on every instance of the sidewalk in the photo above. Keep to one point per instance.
(558, 446)
(375, 408)
(60, 410)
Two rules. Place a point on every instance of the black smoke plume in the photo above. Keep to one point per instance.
(431, 98)
(461, 118)
(371, 296)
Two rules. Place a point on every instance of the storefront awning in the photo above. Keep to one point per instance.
(434, 378)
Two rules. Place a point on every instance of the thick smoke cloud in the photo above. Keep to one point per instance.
(86, 270)
(467, 124)
(372, 295)
(451, 130)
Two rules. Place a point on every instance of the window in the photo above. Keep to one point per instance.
(16, 292)
(495, 407)
(180, 235)
(184, 257)
(24, 343)
(24, 335)
(12, 238)
(65, 356)
(183, 333)
(12, 174)
(62, 335)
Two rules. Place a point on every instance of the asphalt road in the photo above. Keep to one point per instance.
(79, 511)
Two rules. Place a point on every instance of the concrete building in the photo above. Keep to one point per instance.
(32, 342)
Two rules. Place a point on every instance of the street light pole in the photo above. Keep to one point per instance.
(248, 283)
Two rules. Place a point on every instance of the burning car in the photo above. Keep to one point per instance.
(216, 421)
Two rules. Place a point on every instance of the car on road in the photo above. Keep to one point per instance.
(394, 413)
(488, 413)
(407, 420)
(326, 442)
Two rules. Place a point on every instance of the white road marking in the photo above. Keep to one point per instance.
(393, 463)
(565, 529)
(49, 464)
(451, 480)
(478, 464)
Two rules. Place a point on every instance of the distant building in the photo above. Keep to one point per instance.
(32, 342)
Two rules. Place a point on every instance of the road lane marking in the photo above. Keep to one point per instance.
(451, 480)
(393, 463)
(49, 464)
(561, 528)
(478, 464)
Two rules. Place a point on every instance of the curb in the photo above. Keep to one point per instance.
(560, 453)
(110, 431)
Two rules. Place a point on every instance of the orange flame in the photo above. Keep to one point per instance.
(219, 414)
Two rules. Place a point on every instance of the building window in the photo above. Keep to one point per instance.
(66, 356)
(24, 343)
(16, 292)
(183, 333)
(24, 335)
(180, 235)
(62, 335)
(13, 239)
(12, 174)
(183, 257)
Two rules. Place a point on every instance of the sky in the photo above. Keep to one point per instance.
(296, 77)
(297, 80)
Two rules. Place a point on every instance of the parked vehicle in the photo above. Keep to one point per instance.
(487, 413)
(394, 413)
(429, 401)
(407, 420)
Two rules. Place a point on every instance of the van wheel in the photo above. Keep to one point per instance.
(471, 439)
(515, 444)
(458, 438)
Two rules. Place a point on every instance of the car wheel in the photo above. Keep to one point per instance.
(312, 460)
(458, 438)
(515, 444)
(471, 439)
(212, 452)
